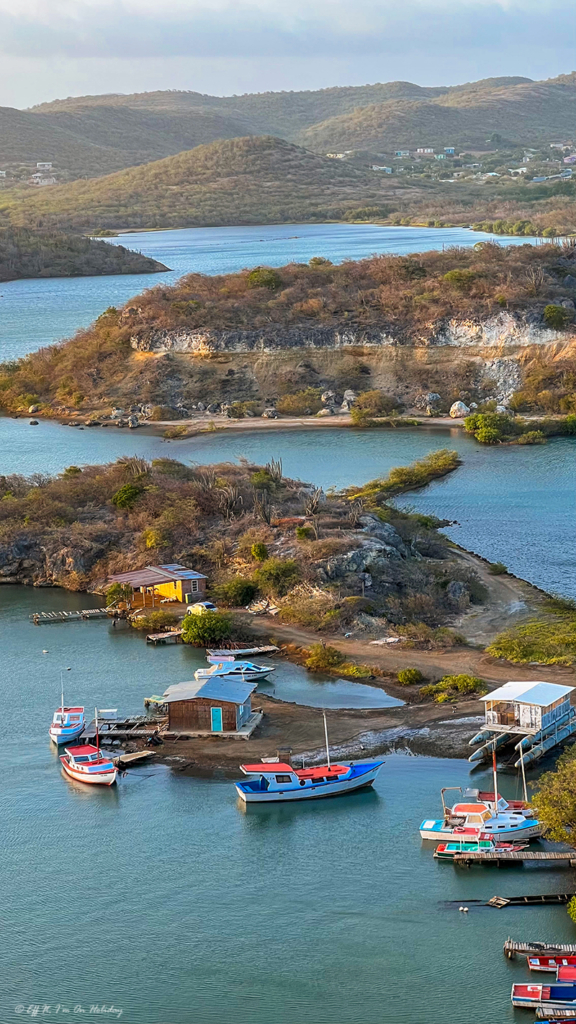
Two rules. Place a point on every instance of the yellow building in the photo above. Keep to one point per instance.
(156, 583)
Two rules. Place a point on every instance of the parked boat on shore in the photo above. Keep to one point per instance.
(244, 670)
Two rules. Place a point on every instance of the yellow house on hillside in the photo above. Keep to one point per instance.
(163, 582)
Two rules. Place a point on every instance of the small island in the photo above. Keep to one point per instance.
(49, 253)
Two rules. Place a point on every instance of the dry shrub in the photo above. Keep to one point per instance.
(307, 610)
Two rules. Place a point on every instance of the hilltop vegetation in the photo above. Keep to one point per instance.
(242, 181)
(26, 253)
(73, 531)
(385, 305)
(94, 135)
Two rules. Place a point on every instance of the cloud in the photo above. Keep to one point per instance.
(128, 30)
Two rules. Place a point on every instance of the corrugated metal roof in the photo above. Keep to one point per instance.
(234, 691)
(153, 575)
(534, 692)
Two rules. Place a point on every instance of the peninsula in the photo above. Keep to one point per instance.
(481, 325)
(53, 253)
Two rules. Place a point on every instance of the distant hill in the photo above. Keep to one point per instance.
(527, 112)
(88, 136)
(25, 253)
(253, 180)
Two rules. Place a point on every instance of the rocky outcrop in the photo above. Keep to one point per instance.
(54, 560)
(379, 544)
(506, 329)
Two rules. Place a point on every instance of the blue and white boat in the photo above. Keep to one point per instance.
(495, 825)
(67, 724)
(274, 781)
(247, 671)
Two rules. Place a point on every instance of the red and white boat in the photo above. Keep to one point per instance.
(551, 963)
(89, 764)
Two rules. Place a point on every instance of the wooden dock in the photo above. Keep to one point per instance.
(513, 948)
(530, 901)
(237, 649)
(117, 732)
(171, 636)
(551, 858)
(39, 618)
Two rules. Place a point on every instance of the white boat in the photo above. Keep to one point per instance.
(244, 670)
(497, 825)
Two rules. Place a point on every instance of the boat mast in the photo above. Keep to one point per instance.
(326, 735)
(495, 774)
(62, 694)
(523, 773)
(96, 721)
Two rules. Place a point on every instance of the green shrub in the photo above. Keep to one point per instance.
(531, 437)
(301, 403)
(319, 261)
(544, 642)
(487, 435)
(261, 480)
(410, 676)
(276, 576)
(126, 496)
(462, 280)
(305, 533)
(557, 317)
(259, 552)
(163, 412)
(322, 658)
(264, 277)
(497, 569)
(571, 909)
(156, 621)
(207, 629)
(236, 593)
(451, 687)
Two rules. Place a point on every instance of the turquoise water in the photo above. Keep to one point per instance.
(34, 313)
(513, 504)
(164, 898)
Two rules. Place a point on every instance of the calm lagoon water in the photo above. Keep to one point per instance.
(34, 313)
(164, 898)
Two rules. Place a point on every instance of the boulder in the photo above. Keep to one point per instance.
(569, 281)
(502, 409)
(384, 532)
(458, 410)
(327, 411)
(32, 409)
(201, 406)
(133, 422)
(33, 423)
(328, 397)
(270, 414)
(458, 594)
(349, 396)
(568, 304)
(213, 407)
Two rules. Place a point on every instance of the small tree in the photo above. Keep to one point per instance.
(126, 496)
(557, 317)
(555, 801)
(237, 592)
(276, 576)
(259, 552)
(119, 592)
(207, 629)
(410, 676)
(264, 277)
(321, 657)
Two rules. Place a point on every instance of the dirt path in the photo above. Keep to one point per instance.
(510, 602)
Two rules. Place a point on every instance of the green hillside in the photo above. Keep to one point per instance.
(252, 180)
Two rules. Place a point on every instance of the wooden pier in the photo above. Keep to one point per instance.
(128, 729)
(39, 618)
(530, 901)
(513, 948)
(551, 858)
(171, 636)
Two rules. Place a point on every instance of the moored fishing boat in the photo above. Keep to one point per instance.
(281, 782)
(88, 764)
(469, 843)
(67, 724)
(497, 826)
(550, 963)
(275, 781)
(551, 997)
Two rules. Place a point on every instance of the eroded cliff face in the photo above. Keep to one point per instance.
(505, 330)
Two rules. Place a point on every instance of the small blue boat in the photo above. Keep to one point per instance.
(67, 725)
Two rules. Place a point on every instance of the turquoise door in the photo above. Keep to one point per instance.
(216, 714)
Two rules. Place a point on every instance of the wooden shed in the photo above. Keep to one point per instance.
(216, 705)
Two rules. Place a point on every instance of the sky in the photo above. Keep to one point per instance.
(56, 48)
